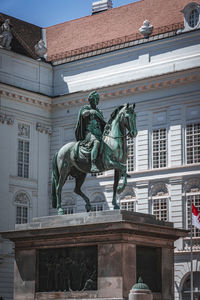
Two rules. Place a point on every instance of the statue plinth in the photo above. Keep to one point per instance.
(94, 255)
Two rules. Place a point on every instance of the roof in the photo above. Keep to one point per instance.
(91, 32)
(25, 35)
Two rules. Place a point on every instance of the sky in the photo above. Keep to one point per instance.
(46, 13)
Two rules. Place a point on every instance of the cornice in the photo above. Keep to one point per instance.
(160, 83)
(31, 100)
(66, 101)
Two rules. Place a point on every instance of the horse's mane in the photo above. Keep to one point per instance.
(112, 117)
(114, 113)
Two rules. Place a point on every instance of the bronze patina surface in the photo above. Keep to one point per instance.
(100, 146)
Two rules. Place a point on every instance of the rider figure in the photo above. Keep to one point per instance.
(89, 127)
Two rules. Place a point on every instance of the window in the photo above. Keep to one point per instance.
(69, 210)
(160, 208)
(97, 207)
(130, 159)
(193, 143)
(128, 201)
(98, 202)
(195, 199)
(22, 205)
(96, 174)
(127, 205)
(22, 215)
(193, 18)
(23, 150)
(23, 158)
(68, 204)
(159, 148)
(160, 201)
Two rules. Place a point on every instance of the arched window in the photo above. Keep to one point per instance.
(128, 201)
(98, 202)
(68, 204)
(22, 208)
(185, 293)
(160, 201)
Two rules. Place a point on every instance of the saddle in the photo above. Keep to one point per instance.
(82, 154)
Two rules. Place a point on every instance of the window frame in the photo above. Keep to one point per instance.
(185, 142)
(152, 145)
(20, 204)
(133, 160)
(23, 136)
(154, 198)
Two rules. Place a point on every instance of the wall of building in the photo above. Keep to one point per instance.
(22, 107)
(161, 77)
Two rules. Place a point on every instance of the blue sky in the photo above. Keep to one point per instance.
(45, 13)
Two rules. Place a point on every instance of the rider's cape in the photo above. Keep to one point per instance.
(80, 125)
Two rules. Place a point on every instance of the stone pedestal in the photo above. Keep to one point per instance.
(93, 255)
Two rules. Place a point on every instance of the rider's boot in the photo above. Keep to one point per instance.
(94, 168)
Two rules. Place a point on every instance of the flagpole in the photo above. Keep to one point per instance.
(191, 254)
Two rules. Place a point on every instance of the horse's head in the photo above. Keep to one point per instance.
(129, 119)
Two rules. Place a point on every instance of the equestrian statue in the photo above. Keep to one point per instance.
(100, 147)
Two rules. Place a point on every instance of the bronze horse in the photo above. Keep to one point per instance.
(113, 155)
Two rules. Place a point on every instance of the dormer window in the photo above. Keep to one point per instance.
(191, 17)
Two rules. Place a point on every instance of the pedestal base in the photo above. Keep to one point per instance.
(97, 255)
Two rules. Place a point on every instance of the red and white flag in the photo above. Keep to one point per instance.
(195, 217)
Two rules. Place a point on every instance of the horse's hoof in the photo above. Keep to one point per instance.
(88, 207)
(116, 206)
(60, 212)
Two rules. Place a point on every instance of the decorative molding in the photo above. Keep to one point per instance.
(159, 84)
(31, 101)
(159, 189)
(43, 128)
(21, 198)
(23, 130)
(4, 118)
(192, 185)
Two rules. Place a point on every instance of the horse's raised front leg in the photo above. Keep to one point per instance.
(80, 178)
(115, 185)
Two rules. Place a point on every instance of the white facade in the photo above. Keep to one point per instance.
(39, 106)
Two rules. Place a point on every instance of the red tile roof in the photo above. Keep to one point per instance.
(63, 39)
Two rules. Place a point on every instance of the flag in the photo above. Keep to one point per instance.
(195, 217)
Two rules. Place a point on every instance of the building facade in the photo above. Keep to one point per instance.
(156, 68)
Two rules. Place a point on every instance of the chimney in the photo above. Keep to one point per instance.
(101, 5)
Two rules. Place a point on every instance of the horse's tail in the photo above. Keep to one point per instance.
(54, 180)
